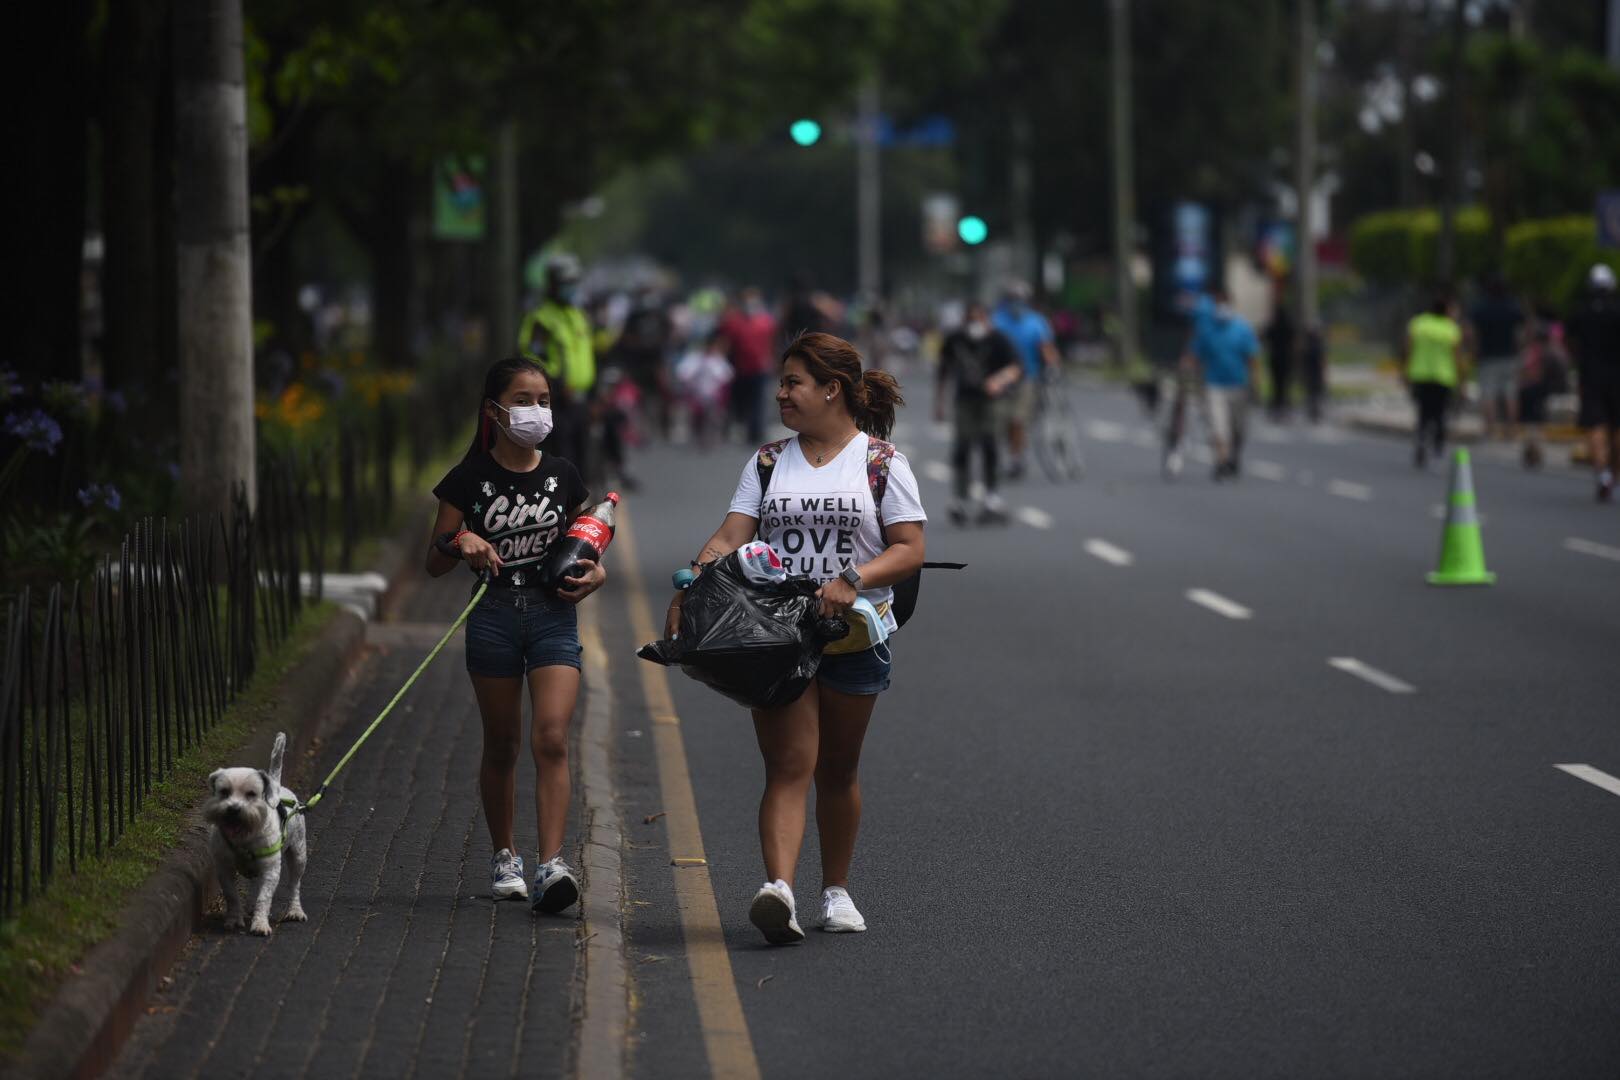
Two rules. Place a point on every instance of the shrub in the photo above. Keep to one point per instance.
(1397, 247)
(1547, 259)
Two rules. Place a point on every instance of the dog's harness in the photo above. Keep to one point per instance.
(247, 861)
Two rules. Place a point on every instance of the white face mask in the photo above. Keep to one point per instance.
(530, 424)
(977, 330)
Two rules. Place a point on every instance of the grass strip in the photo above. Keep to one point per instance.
(45, 943)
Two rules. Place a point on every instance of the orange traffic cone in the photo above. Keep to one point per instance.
(1462, 552)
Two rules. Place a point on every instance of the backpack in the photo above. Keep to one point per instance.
(878, 456)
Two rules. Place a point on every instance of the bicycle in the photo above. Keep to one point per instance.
(1056, 434)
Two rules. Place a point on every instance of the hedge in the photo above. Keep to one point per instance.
(1400, 246)
(1547, 259)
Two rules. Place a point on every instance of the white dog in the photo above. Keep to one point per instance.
(254, 832)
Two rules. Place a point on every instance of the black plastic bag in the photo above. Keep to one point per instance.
(760, 645)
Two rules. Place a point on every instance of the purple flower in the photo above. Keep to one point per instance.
(102, 495)
(36, 430)
(10, 384)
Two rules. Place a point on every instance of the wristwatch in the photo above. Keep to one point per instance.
(851, 575)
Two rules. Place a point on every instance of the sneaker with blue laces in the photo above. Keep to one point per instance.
(555, 887)
(506, 876)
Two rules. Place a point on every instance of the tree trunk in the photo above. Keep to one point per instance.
(130, 197)
(1451, 179)
(50, 149)
(214, 262)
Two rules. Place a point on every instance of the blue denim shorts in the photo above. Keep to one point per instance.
(512, 631)
(864, 672)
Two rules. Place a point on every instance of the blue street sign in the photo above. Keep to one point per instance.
(1608, 218)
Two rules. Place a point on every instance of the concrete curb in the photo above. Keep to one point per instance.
(604, 1030)
(82, 1030)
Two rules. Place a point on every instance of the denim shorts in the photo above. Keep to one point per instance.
(512, 631)
(863, 672)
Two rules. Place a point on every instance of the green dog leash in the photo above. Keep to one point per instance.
(483, 586)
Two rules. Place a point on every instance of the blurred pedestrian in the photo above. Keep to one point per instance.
(840, 415)
(1594, 337)
(1281, 343)
(643, 351)
(1032, 336)
(1539, 372)
(1498, 322)
(1431, 371)
(702, 377)
(750, 334)
(1228, 356)
(803, 312)
(981, 365)
(500, 511)
(1313, 370)
(557, 336)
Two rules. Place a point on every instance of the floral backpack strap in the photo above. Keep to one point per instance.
(878, 456)
(765, 463)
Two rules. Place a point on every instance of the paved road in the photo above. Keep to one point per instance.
(1113, 831)
(1175, 780)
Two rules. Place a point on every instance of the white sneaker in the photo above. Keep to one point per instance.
(772, 911)
(838, 914)
(555, 887)
(506, 875)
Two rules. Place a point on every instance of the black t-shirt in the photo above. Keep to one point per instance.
(521, 513)
(1497, 320)
(969, 362)
(1594, 331)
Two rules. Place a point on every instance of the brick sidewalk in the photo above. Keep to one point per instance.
(406, 967)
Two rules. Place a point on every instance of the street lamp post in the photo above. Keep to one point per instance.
(1124, 184)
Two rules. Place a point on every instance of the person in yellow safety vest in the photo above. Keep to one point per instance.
(557, 336)
(1431, 371)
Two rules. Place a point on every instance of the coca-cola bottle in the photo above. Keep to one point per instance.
(587, 538)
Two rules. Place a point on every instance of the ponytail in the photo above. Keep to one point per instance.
(876, 397)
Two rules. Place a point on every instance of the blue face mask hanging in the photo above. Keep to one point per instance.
(876, 632)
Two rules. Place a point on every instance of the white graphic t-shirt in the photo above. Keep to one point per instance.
(821, 519)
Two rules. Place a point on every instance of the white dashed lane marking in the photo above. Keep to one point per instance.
(1108, 553)
(1034, 517)
(938, 471)
(1349, 489)
(1267, 470)
(1591, 547)
(1608, 783)
(1106, 431)
(1219, 604)
(1381, 679)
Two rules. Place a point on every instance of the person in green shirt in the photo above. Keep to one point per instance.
(557, 336)
(1431, 370)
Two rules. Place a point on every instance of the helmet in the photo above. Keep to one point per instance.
(1601, 277)
(563, 268)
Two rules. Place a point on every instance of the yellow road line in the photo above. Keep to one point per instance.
(720, 1014)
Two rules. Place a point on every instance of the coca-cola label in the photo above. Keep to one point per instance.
(593, 532)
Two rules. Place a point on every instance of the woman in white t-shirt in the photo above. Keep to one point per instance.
(817, 512)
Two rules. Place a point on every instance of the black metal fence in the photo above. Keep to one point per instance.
(106, 681)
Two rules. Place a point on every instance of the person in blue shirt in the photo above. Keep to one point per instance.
(1227, 353)
(1031, 336)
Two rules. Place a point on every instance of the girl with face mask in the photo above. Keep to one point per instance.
(500, 511)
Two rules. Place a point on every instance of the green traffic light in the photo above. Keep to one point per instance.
(972, 229)
(805, 132)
